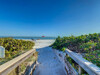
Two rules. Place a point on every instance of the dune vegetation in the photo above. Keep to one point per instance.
(89, 45)
(14, 47)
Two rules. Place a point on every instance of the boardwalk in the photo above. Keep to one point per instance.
(48, 62)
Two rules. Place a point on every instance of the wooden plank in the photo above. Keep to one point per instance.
(89, 67)
(10, 65)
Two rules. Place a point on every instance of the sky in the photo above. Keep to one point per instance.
(49, 17)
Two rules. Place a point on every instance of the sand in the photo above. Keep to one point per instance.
(48, 63)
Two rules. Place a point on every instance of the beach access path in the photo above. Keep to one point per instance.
(48, 63)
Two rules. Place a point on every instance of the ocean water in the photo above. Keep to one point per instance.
(34, 38)
(23, 37)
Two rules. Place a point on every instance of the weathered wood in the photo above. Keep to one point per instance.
(10, 65)
(86, 65)
(18, 70)
(70, 69)
(80, 70)
(30, 69)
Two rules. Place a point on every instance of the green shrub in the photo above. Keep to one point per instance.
(89, 44)
(78, 43)
(93, 56)
(14, 47)
(63, 49)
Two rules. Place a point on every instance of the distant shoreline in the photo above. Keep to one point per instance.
(34, 38)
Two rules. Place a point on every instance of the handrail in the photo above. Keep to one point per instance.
(89, 67)
(10, 65)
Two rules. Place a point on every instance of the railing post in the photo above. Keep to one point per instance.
(18, 70)
(79, 70)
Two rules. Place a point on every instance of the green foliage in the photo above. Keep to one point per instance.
(14, 44)
(63, 49)
(79, 43)
(93, 56)
(98, 45)
(89, 44)
(14, 47)
(57, 43)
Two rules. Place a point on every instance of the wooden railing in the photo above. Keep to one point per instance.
(89, 67)
(82, 64)
(6, 68)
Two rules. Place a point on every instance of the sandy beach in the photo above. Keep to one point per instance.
(48, 63)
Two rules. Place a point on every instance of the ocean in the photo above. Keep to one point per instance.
(34, 38)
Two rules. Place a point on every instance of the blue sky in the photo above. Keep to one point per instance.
(49, 17)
